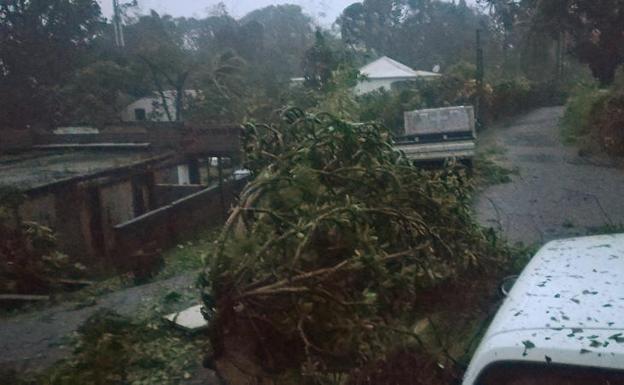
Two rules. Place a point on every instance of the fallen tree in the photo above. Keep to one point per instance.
(320, 268)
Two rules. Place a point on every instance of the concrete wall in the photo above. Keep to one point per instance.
(168, 193)
(13, 140)
(117, 203)
(154, 110)
(83, 212)
(213, 141)
(175, 222)
(40, 209)
(95, 220)
(117, 206)
(74, 217)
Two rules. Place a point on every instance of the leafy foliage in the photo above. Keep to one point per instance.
(579, 110)
(112, 350)
(319, 63)
(596, 115)
(331, 244)
(591, 29)
(607, 122)
(29, 260)
(96, 94)
(41, 43)
(421, 34)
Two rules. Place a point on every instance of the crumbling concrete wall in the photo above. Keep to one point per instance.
(83, 213)
(74, 219)
(168, 193)
(216, 141)
(14, 140)
(117, 203)
(117, 206)
(175, 222)
(40, 209)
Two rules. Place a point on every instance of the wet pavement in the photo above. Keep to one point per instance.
(557, 193)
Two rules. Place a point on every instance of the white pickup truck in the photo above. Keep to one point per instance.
(439, 134)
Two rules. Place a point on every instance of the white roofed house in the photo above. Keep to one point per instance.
(384, 72)
(150, 108)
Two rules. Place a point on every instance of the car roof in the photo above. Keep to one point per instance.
(572, 283)
(566, 307)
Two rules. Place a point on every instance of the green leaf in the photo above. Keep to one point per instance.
(528, 344)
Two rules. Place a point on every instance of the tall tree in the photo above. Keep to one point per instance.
(287, 33)
(420, 33)
(96, 94)
(318, 63)
(595, 29)
(592, 29)
(163, 46)
(42, 42)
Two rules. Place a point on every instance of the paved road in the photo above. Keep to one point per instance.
(557, 192)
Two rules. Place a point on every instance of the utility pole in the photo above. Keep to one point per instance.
(479, 78)
(118, 25)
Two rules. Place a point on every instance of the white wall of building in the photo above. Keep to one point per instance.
(154, 112)
(370, 85)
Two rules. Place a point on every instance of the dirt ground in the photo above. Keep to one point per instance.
(557, 193)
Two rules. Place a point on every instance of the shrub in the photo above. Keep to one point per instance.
(330, 249)
(607, 122)
(510, 98)
(29, 260)
(580, 107)
(112, 350)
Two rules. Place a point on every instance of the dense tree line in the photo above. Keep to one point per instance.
(59, 63)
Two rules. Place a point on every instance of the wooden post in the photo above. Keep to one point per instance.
(194, 174)
(221, 192)
(479, 78)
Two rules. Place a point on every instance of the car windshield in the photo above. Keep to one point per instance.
(545, 374)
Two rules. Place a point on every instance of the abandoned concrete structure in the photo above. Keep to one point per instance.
(107, 195)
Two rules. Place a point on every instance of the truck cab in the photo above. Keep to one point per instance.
(439, 134)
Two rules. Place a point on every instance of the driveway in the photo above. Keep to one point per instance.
(557, 192)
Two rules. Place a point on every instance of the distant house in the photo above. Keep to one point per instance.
(151, 109)
(384, 72)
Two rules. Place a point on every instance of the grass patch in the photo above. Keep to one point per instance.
(576, 122)
(488, 172)
(188, 256)
(567, 224)
(606, 229)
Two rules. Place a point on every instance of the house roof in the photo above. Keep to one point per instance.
(386, 68)
(41, 168)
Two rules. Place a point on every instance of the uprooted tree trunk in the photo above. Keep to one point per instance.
(318, 270)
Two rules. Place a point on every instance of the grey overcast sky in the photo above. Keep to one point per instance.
(323, 11)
